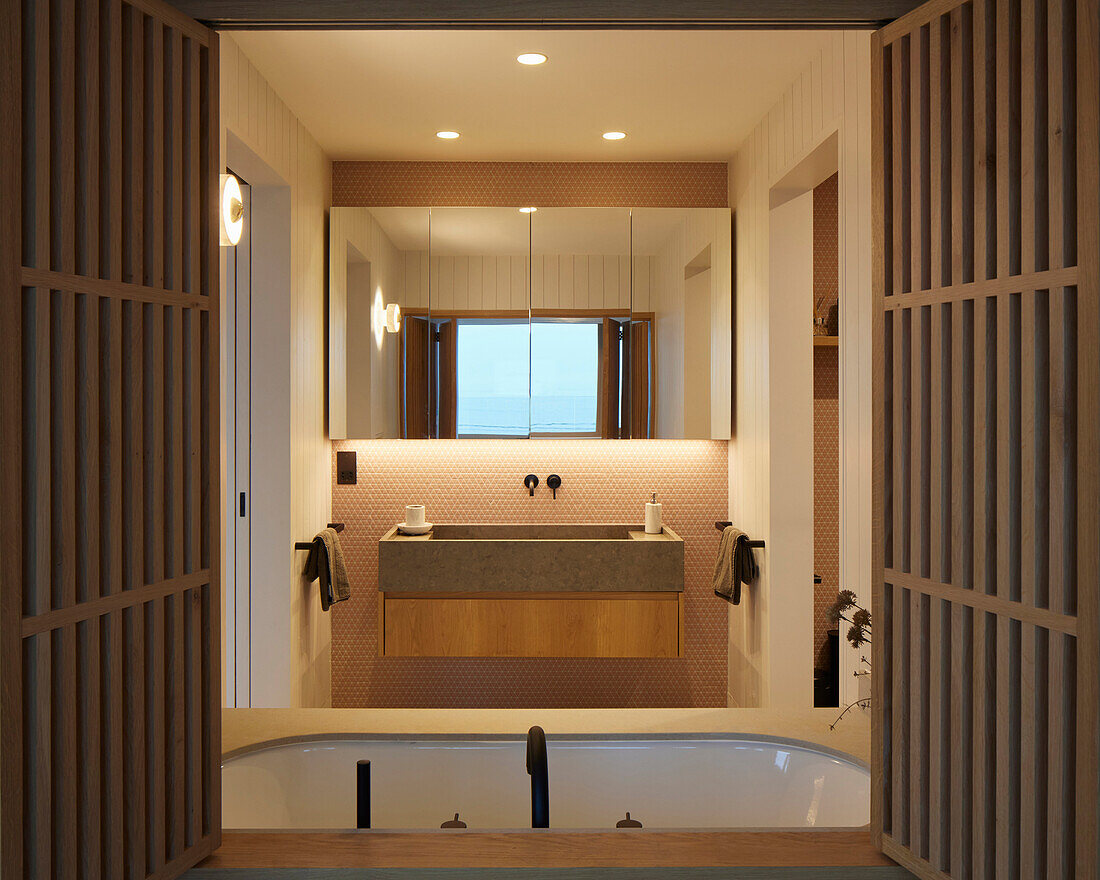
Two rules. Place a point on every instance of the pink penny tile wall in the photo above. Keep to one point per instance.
(826, 413)
(826, 488)
(603, 481)
(546, 184)
(826, 247)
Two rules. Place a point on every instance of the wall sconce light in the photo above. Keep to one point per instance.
(232, 212)
(393, 318)
(384, 318)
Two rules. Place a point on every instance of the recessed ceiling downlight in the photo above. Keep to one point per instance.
(614, 135)
(531, 58)
(447, 135)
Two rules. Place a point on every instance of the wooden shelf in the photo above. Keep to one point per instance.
(826, 341)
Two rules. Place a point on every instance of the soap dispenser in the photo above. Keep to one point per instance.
(653, 516)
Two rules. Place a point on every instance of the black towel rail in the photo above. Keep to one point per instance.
(305, 545)
(722, 525)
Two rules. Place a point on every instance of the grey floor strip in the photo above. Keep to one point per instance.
(769, 873)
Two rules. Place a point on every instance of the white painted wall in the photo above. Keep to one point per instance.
(787, 607)
(365, 268)
(292, 667)
(831, 96)
(558, 281)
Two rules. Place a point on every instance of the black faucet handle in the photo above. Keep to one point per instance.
(530, 481)
(554, 482)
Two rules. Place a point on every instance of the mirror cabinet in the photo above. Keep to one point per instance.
(454, 322)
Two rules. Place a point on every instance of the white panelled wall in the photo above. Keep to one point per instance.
(499, 283)
(292, 647)
(832, 96)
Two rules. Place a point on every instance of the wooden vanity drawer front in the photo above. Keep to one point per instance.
(532, 625)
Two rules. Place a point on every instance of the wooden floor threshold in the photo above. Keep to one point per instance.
(543, 849)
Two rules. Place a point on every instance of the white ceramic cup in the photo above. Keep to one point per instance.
(414, 514)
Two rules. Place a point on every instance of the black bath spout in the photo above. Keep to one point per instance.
(540, 783)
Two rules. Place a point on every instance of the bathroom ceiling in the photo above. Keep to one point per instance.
(679, 95)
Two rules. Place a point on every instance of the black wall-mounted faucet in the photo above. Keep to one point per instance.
(530, 481)
(554, 482)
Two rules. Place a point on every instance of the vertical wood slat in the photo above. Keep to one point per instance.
(1055, 128)
(155, 519)
(919, 809)
(192, 213)
(936, 138)
(133, 145)
(1026, 98)
(89, 578)
(935, 441)
(16, 176)
(982, 767)
(42, 133)
(901, 410)
(212, 795)
(937, 756)
(62, 135)
(173, 158)
(960, 727)
(984, 71)
(38, 841)
(962, 135)
(88, 140)
(881, 403)
(920, 208)
(174, 663)
(111, 383)
(899, 209)
(89, 806)
(1087, 453)
(111, 246)
(133, 618)
(152, 118)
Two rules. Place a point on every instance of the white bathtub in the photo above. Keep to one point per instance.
(664, 783)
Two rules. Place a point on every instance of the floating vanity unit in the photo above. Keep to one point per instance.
(531, 591)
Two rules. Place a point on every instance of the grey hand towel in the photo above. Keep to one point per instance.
(326, 562)
(734, 566)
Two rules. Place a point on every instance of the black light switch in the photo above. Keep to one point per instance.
(345, 469)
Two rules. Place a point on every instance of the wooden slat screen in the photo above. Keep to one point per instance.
(111, 612)
(986, 489)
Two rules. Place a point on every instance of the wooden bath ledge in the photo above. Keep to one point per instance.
(562, 849)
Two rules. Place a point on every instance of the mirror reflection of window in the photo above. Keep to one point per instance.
(491, 378)
(565, 377)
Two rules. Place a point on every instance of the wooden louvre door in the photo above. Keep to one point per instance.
(447, 378)
(987, 334)
(641, 378)
(109, 611)
(415, 345)
(610, 364)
